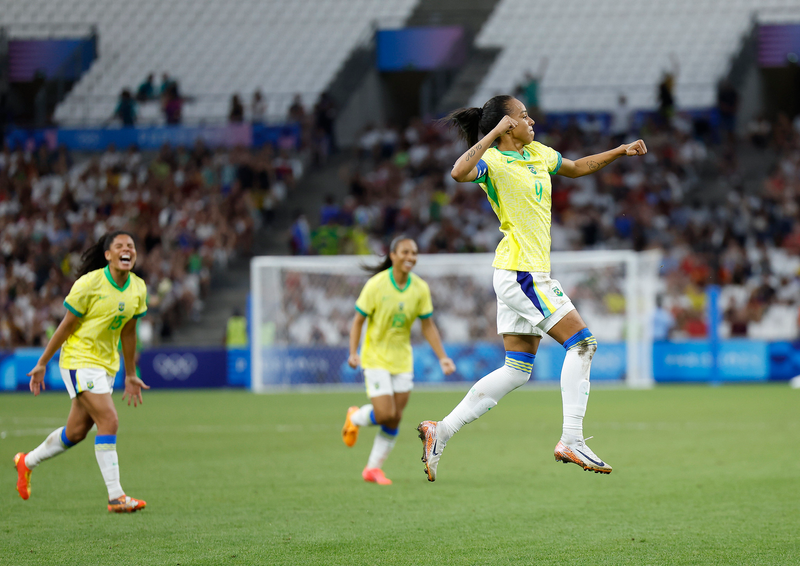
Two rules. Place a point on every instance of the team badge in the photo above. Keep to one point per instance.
(532, 169)
(401, 305)
(121, 307)
(558, 292)
(90, 384)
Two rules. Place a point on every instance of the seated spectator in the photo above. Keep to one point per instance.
(330, 211)
(297, 112)
(258, 108)
(167, 82)
(172, 105)
(758, 130)
(146, 90)
(300, 235)
(126, 109)
(236, 113)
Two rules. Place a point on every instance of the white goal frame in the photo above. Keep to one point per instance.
(640, 289)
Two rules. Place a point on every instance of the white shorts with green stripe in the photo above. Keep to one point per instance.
(528, 303)
(94, 380)
(380, 382)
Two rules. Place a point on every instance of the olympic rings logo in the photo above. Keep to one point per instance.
(175, 366)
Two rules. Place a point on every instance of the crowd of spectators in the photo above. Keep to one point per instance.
(316, 306)
(687, 197)
(190, 209)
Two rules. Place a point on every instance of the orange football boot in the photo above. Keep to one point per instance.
(349, 430)
(23, 476)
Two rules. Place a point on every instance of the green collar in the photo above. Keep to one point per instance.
(107, 271)
(391, 278)
(525, 155)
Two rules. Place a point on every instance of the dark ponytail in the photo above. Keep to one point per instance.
(387, 261)
(95, 257)
(472, 122)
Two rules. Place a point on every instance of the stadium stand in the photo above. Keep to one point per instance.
(191, 210)
(596, 51)
(214, 48)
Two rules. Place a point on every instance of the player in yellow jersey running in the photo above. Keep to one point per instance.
(392, 299)
(102, 309)
(514, 171)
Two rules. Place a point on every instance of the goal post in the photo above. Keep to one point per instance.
(302, 309)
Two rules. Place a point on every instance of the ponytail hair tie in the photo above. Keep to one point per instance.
(480, 113)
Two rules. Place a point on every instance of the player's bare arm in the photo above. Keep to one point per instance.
(465, 169)
(133, 384)
(593, 163)
(431, 334)
(65, 328)
(354, 360)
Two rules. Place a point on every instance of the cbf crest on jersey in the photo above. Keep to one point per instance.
(532, 169)
(121, 306)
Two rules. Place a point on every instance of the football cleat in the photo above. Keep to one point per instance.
(125, 504)
(349, 430)
(579, 453)
(375, 475)
(432, 447)
(23, 476)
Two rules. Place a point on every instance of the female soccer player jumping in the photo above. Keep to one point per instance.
(392, 299)
(514, 171)
(102, 308)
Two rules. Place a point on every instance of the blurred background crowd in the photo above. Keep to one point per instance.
(717, 193)
(718, 219)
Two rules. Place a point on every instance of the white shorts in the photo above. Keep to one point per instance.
(528, 303)
(94, 380)
(381, 382)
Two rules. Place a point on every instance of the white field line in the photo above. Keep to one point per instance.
(299, 428)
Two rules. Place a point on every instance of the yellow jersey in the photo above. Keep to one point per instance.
(391, 312)
(519, 190)
(103, 309)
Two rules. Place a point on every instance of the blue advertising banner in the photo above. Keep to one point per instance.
(314, 365)
(784, 360)
(738, 360)
(420, 48)
(184, 368)
(153, 137)
(238, 367)
(53, 58)
(169, 368)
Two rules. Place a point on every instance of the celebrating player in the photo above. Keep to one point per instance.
(102, 308)
(514, 171)
(392, 299)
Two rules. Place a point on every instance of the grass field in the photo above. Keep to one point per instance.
(701, 476)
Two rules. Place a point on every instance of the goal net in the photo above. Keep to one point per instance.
(302, 309)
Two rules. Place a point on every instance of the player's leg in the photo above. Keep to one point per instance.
(481, 398)
(389, 412)
(60, 440)
(517, 317)
(379, 384)
(571, 332)
(100, 407)
(487, 392)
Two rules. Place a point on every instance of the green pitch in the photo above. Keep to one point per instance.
(701, 476)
